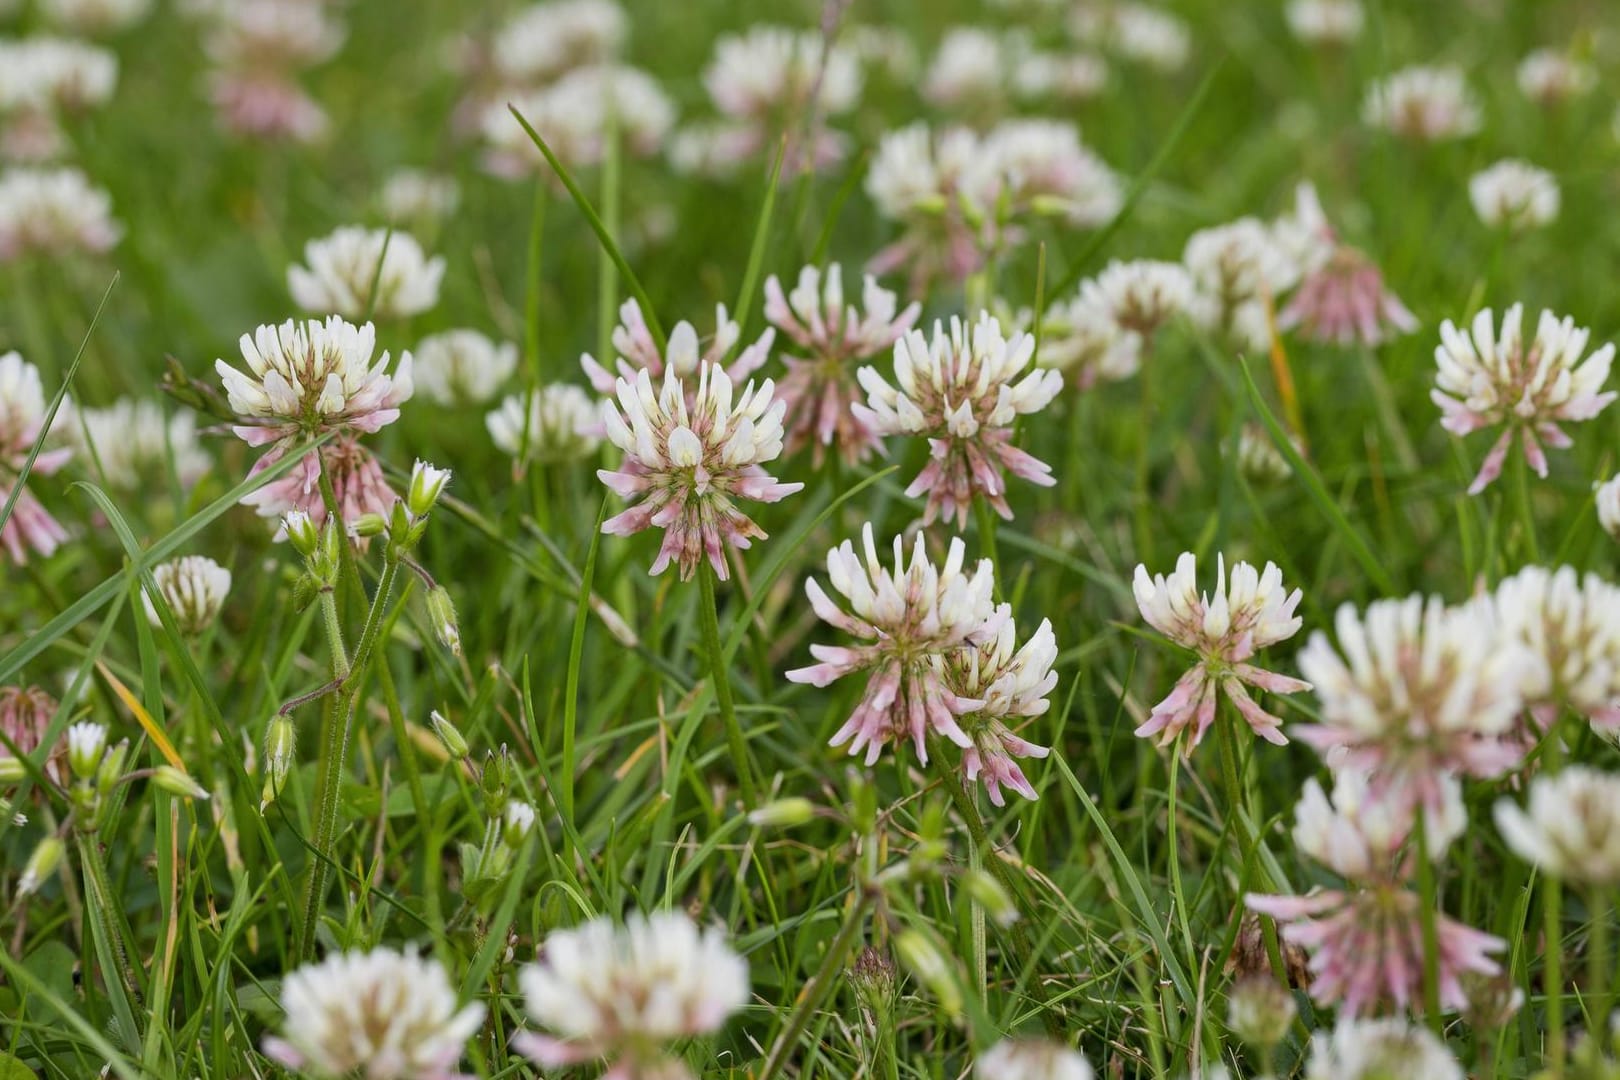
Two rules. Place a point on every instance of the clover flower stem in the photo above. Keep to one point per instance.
(1597, 948)
(335, 751)
(1527, 517)
(1426, 917)
(986, 521)
(709, 614)
(981, 960)
(962, 799)
(1552, 976)
(1144, 501)
(810, 997)
(348, 572)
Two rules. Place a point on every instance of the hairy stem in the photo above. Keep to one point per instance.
(816, 989)
(709, 614)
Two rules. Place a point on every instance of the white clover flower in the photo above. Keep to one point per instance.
(970, 70)
(1487, 378)
(1135, 31)
(1607, 496)
(1032, 1059)
(714, 148)
(1325, 22)
(462, 367)
(194, 588)
(1065, 77)
(130, 443)
(1378, 1049)
(1551, 77)
(544, 40)
(22, 414)
(561, 423)
(624, 994)
(41, 74)
(280, 36)
(1360, 836)
(1081, 338)
(1041, 166)
(682, 352)
(887, 48)
(95, 16)
(909, 621)
(573, 115)
(413, 195)
(1569, 625)
(1258, 457)
(1012, 683)
(768, 70)
(266, 105)
(1141, 295)
(382, 1014)
(688, 462)
(1571, 829)
(1238, 269)
(964, 391)
(53, 212)
(1224, 630)
(913, 171)
(1514, 194)
(343, 277)
(1421, 690)
(312, 377)
(1429, 104)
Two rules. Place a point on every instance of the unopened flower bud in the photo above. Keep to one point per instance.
(496, 779)
(87, 741)
(987, 892)
(1051, 205)
(41, 865)
(863, 803)
(442, 614)
(301, 533)
(519, 823)
(1259, 1010)
(427, 482)
(783, 813)
(369, 525)
(918, 952)
(931, 205)
(179, 783)
(872, 977)
(280, 745)
(455, 744)
(112, 766)
(12, 769)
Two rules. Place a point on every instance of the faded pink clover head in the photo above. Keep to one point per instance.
(1341, 298)
(831, 335)
(963, 391)
(689, 461)
(1013, 683)
(25, 718)
(683, 353)
(910, 622)
(625, 994)
(1224, 630)
(1494, 378)
(31, 528)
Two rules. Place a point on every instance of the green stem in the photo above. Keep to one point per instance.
(1527, 517)
(1144, 478)
(709, 614)
(1553, 971)
(1598, 960)
(99, 895)
(985, 517)
(1426, 917)
(816, 989)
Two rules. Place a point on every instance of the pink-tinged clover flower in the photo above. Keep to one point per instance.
(1569, 625)
(910, 621)
(22, 414)
(354, 270)
(1424, 104)
(963, 391)
(1490, 378)
(304, 380)
(625, 994)
(682, 354)
(931, 184)
(1376, 1049)
(25, 718)
(1341, 296)
(820, 386)
(1224, 631)
(1013, 684)
(1365, 940)
(688, 461)
(55, 213)
(1571, 827)
(1416, 692)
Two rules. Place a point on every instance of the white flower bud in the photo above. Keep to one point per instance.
(427, 483)
(87, 741)
(176, 782)
(783, 813)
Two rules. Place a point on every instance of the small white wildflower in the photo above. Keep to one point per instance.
(1428, 104)
(1607, 496)
(411, 195)
(1571, 829)
(560, 423)
(1515, 195)
(1032, 1059)
(53, 212)
(86, 742)
(462, 367)
(1325, 22)
(970, 70)
(1141, 295)
(193, 588)
(573, 116)
(95, 16)
(1378, 1049)
(133, 443)
(1551, 77)
(544, 40)
(343, 275)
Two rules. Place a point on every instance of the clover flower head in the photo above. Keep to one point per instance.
(25, 718)
(1607, 496)
(1042, 167)
(280, 36)
(1366, 838)
(1569, 626)
(1141, 295)
(462, 367)
(22, 414)
(266, 105)
(1514, 195)
(683, 353)
(41, 76)
(970, 70)
(131, 440)
(1341, 296)
(1013, 683)
(384, 1015)
(1374, 1049)
(1550, 77)
(544, 40)
(963, 391)
(1490, 376)
(771, 72)
(1417, 691)
(1571, 827)
(344, 275)
(573, 116)
(909, 621)
(193, 588)
(831, 335)
(53, 212)
(1425, 104)
(95, 16)
(688, 463)
(1081, 338)
(1325, 22)
(412, 195)
(559, 423)
(1135, 31)
(626, 993)
(932, 184)
(357, 482)
(1066, 77)
(1032, 1059)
